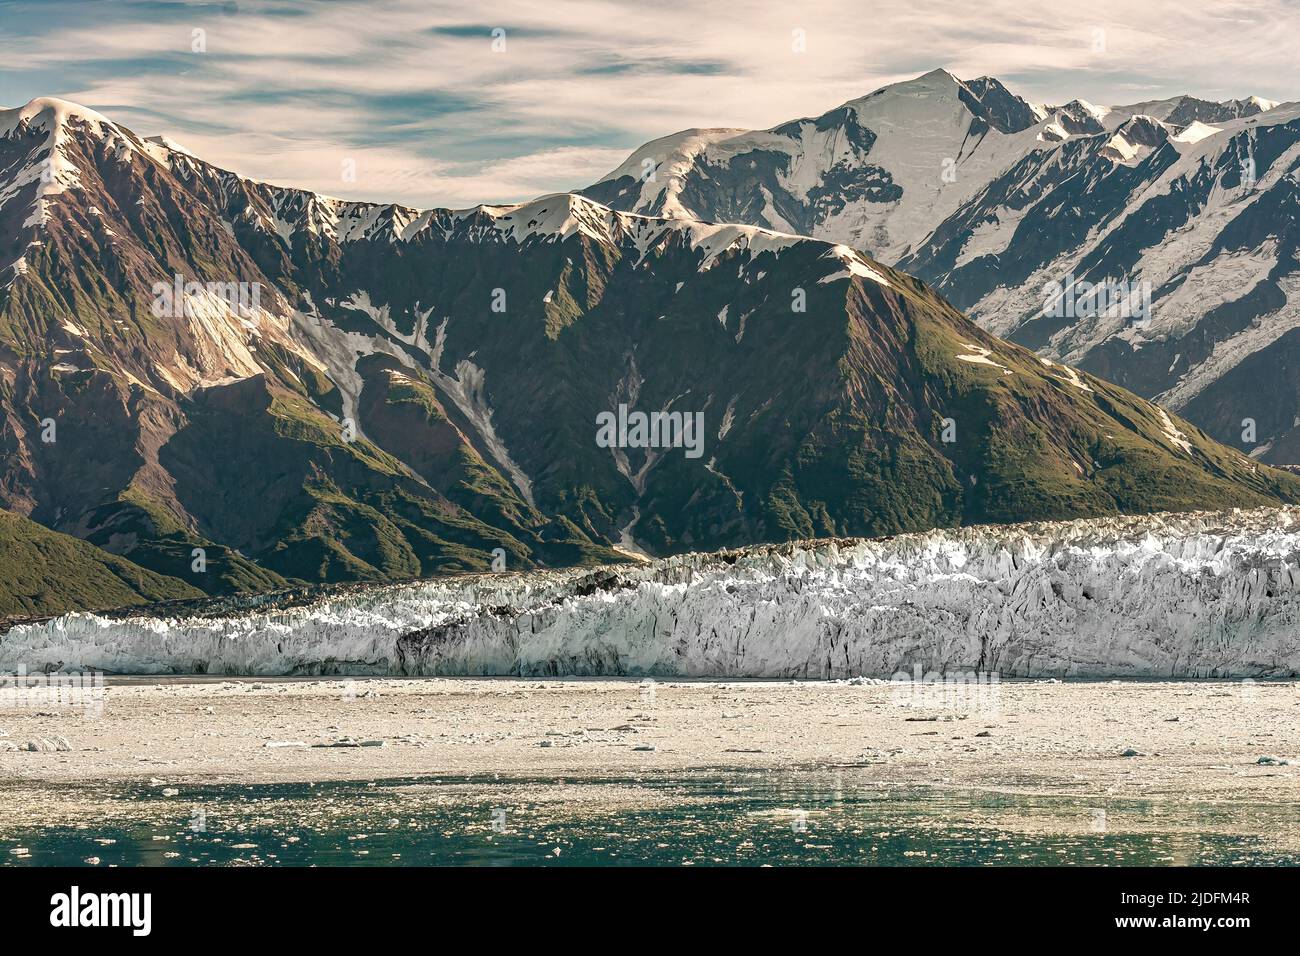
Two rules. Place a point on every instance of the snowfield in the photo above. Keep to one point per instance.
(1196, 595)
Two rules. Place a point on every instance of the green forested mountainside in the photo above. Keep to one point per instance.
(43, 572)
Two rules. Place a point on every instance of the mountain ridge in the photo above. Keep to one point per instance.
(371, 415)
(911, 175)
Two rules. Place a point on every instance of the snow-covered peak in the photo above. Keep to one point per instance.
(684, 141)
(1085, 113)
(939, 80)
(1098, 113)
(155, 144)
(1184, 109)
(923, 146)
(939, 85)
(933, 95)
(559, 215)
(48, 167)
(1075, 118)
(1139, 124)
(657, 167)
(51, 114)
(1194, 133)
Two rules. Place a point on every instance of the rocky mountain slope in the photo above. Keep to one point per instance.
(1196, 595)
(242, 386)
(996, 202)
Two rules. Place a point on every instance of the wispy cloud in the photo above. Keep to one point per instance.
(432, 114)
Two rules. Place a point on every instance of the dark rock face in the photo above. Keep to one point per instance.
(996, 105)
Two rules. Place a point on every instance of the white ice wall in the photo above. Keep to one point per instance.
(1157, 596)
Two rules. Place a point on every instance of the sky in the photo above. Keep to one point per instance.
(432, 103)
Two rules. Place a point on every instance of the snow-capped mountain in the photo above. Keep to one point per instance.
(238, 387)
(1200, 219)
(1161, 596)
(877, 173)
(1186, 110)
(999, 203)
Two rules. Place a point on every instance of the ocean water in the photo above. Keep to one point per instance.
(700, 819)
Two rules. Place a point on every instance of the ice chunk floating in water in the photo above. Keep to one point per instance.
(1196, 595)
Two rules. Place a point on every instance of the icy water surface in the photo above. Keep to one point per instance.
(753, 818)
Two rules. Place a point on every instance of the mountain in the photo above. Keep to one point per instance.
(1154, 596)
(996, 203)
(243, 386)
(207, 423)
(1201, 222)
(877, 173)
(1187, 109)
(43, 572)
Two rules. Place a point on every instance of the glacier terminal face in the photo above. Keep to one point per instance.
(1157, 596)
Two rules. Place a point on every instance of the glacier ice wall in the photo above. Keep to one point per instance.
(1195, 595)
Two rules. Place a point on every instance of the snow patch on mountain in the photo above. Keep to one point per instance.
(467, 388)
(160, 146)
(980, 356)
(338, 350)
(1174, 436)
(1069, 375)
(855, 266)
(1194, 133)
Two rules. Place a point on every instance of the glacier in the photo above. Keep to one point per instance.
(1205, 594)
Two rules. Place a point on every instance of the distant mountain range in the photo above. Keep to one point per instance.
(211, 385)
(997, 202)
